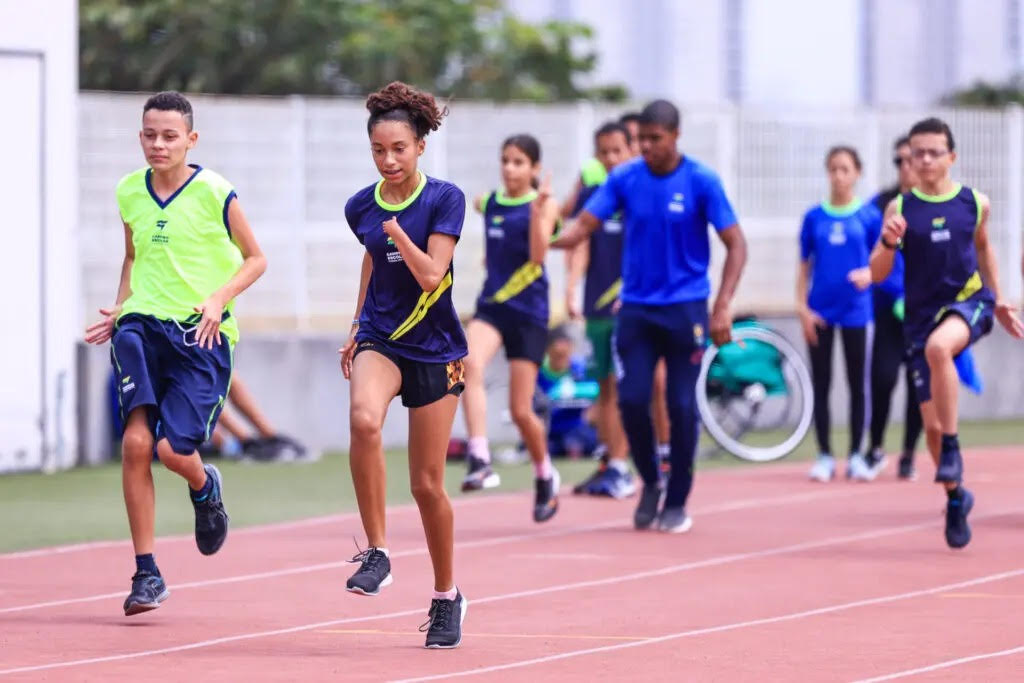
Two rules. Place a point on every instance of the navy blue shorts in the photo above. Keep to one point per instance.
(422, 383)
(522, 336)
(979, 316)
(160, 366)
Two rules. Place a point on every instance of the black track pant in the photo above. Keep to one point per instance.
(855, 348)
(886, 358)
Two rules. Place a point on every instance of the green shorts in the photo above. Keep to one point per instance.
(599, 332)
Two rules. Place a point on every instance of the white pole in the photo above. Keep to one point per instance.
(1014, 220)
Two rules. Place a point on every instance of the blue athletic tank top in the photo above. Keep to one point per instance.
(941, 262)
(512, 279)
(604, 267)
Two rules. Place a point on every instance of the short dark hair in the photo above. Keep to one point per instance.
(933, 125)
(900, 142)
(630, 117)
(171, 100)
(843, 149)
(558, 334)
(397, 101)
(613, 127)
(662, 113)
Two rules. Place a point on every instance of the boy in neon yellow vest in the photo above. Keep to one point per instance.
(189, 251)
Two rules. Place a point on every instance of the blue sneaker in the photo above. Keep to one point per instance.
(958, 531)
(211, 518)
(148, 591)
(951, 467)
(612, 483)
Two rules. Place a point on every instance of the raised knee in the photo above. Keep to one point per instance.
(937, 352)
(364, 423)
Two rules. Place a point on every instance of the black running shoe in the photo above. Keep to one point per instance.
(906, 471)
(444, 622)
(479, 475)
(647, 508)
(211, 518)
(373, 574)
(148, 591)
(545, 503)
(958, 531)
(951, 467)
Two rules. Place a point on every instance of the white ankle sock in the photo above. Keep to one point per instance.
(479, 448)
(544, 469)
(664, 450)
(619, 466)
(446, 595)
(387, 553)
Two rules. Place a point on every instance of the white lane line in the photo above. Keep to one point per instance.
(482, 543)
(793, 616)
(611, 580)
(944, 665)
(247, 530)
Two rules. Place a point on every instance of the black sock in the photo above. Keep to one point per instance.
(203, 493)
(146, 563)
(955, 494)
(950, 443)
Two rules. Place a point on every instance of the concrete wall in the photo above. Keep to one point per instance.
(299, 384)
(45, 34)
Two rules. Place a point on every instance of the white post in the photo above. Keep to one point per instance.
(871, 181)
(300, 266)
(1014, 220)
(585, 124)
(726, 132)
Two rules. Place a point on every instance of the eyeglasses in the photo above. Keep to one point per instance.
(924, 153)
(899, 161)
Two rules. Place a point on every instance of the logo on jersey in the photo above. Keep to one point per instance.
(495, 230)
(390, 242)
(161, 224)
(838, 234)
(614, 224)
(939, 231)
(698, 334)
(676, 205)
(157, 237)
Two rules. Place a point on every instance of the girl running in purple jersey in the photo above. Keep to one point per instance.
(407, 341)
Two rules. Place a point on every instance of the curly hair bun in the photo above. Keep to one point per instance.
(400, 102)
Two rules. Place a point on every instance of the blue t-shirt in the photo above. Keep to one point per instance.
(512, 279)
(604, 266)
(837, 240)
(666, 248)
(569, 395)
(397, 313)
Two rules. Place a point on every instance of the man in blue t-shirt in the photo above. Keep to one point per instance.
(667, 201)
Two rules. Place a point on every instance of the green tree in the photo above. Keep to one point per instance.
(983, 94)
(467, 48)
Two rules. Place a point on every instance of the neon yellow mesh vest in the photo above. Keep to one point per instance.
(183, 247)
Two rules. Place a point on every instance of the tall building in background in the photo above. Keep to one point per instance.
(797, 52)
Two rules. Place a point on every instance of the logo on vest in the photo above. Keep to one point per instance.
(939, 231)
(158, 237)
(494, 229)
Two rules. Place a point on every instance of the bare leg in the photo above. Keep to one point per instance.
(614, 436)
(659, 405)
(522, 384)
(243, 400)
(137, 480)
(375, 381)
(430, 428)
(484, 341)
(233, 426)
(940, 412)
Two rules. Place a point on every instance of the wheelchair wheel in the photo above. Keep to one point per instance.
(752, 418)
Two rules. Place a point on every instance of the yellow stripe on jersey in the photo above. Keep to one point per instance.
(610, 295)
(426, 300)
(971, 287)
(525, 275)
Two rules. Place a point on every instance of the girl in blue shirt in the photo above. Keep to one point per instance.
(407, 341)
(512, 312)
(833, 292)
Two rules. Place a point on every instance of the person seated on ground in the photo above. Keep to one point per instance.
(567, 393)
(231, 438)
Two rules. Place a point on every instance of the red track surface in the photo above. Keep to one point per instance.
(780, 579)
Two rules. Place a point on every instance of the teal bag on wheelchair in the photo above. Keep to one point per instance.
(739, 365)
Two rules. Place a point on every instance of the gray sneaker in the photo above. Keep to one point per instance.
(674, 520)
(647, 508)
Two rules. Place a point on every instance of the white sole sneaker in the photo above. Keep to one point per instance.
(388, 580)
(462, 618)
(679, 528)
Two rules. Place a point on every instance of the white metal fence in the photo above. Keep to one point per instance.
(296, 160)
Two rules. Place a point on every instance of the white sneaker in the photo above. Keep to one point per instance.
(824, 469)
(857, 469)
